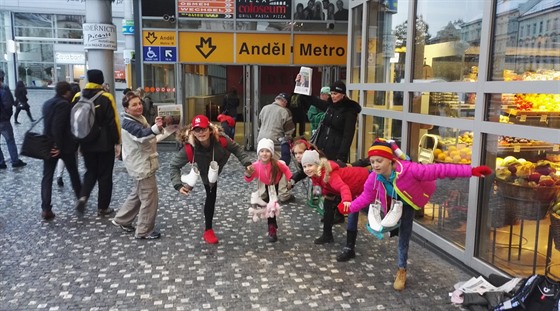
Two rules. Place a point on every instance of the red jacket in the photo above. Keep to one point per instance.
(348, 182)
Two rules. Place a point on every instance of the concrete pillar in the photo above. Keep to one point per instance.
(129, 42)
(101, 12)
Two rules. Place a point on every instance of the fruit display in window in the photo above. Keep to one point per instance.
(526, 173)
(508, 141)
(453, 155)
(537, 102)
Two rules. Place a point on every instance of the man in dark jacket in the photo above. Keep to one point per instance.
(99, 154)
(56, 114)
(6, 103)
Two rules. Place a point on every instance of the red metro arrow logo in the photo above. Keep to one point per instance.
(205, 47)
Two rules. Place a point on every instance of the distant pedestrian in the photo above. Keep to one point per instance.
(22, 103)
(149, 110)
(100, 153)
(229, 107)
(315, 115)
(395, 181)
(6, 130)
(268, 171)
(228, 124)
(204, 142)
(56, 125)
(140, 157)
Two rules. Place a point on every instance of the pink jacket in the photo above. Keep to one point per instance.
(346, 181)
(263, 173)
(414, 183)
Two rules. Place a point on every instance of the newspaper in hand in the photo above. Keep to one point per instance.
(172, 119)
(303, 81)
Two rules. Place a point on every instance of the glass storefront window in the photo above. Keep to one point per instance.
(36, 74)
(69, 26)
(159, 82)
(384, 100)
(447, 40)
(356, 45)
(518, 207)
(386, 33)
(445, 104)
(33, 25)
(525, 109)
(377, 127)
(522, 46)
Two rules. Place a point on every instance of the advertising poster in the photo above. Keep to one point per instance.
(265, 10)
(317, 10)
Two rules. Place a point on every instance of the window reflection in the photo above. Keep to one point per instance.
(526, 39)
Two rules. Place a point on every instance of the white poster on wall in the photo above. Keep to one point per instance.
(100, 37)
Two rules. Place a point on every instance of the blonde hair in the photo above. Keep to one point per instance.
(324, 165)
(186, 134)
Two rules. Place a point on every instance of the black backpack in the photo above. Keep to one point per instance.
(538, 293)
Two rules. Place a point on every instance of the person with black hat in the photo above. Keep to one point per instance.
(100, 153)
(276, 124)
(6, 103)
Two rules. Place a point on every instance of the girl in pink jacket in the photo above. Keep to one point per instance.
(268, 171)
(346, 182)
(411, 183)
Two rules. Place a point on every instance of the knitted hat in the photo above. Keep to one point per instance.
(338, 87)
(265, 143)
(381, 148)
(380, 145)
(326, 90)
(200, 121)
(310, 157)
(95, 76)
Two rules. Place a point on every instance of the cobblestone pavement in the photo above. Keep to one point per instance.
(85, 263)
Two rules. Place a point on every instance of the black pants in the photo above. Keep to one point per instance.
(49, 167)
(18, 109)
(99, 168)
(210, 204)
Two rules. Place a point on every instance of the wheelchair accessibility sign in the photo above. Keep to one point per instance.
(160, 54)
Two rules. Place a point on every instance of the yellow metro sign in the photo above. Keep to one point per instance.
(201, 47)
(320, 50)
(263, 49)
(158, 38)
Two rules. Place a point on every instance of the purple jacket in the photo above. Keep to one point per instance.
(414, 183)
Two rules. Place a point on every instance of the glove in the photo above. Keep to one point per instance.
(481, 171)
(344, 208)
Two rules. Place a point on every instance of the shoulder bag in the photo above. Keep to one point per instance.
(36, 145)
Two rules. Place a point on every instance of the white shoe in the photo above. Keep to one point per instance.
(393, 215)
(374, 216)
(257, 200)
(189, 180)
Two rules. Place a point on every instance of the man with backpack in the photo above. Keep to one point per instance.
(101, 146)
(6, 103)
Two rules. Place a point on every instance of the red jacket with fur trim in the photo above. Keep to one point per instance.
(348, 182)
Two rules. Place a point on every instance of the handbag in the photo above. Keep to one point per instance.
(36, 145)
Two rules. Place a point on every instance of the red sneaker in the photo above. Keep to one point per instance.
(210, 237)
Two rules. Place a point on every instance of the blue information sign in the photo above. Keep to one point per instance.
(128, 30)
(160, 54)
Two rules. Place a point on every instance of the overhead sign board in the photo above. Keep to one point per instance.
(206, 8)
(277, 10)
(158, 38)
(127, 27)
(263, 49)
(320, 50)
(201, 47)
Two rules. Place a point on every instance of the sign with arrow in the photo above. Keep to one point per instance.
(158, 38)
(158, 54)
(206, 9)
(201, 47)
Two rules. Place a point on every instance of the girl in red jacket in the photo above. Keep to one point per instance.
(345, 182)
(268, 171)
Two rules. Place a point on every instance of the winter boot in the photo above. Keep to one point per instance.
(272, 237)
(328, 220)
(400, 279)
(348, 250)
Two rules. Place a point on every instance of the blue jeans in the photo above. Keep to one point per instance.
(405, 232)
(8, 132)
(353, 221)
